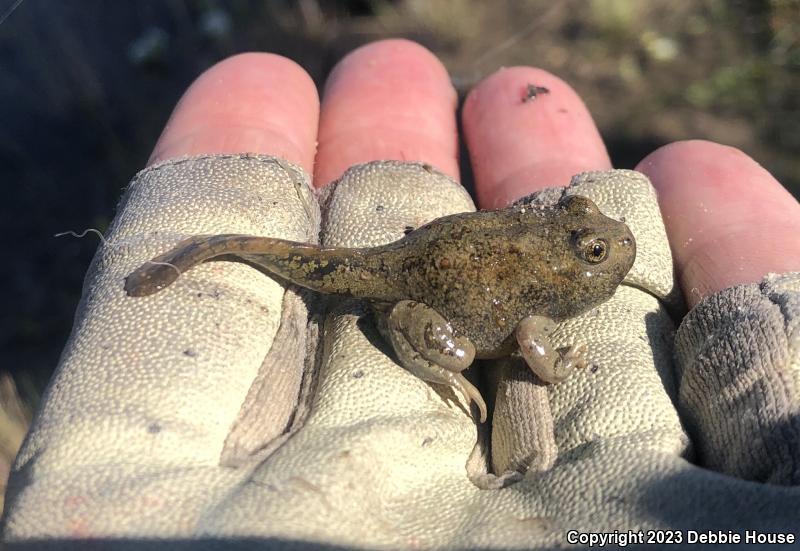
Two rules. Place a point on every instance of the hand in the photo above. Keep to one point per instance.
(128, 442)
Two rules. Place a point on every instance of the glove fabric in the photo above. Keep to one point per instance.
(207, 415)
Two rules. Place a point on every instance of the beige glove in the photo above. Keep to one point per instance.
(173, 416)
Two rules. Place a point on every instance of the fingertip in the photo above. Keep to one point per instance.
(404, 53)
(390, 99)
(251, 102)
(527, 129)
(728, 219)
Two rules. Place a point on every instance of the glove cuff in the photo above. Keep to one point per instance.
(738, 358)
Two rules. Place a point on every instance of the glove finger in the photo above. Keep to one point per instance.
(155, 383)
(626, 392)
(730, 223)
(378, 203)
(373, 428)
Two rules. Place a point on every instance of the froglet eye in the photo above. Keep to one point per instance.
(595, 251)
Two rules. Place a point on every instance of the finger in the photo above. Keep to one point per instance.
(729, 221)
(255, 102)
(522, 139)
(388, 100)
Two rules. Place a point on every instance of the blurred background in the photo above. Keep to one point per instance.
(86, 86)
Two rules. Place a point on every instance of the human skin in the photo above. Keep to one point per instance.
(728, 220)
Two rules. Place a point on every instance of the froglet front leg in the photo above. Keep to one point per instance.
(550, 364)
(426, 346)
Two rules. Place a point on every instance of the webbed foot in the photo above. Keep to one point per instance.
(550, 364)
(426, 345)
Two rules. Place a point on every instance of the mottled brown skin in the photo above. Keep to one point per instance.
(486, 271)
(483, 272)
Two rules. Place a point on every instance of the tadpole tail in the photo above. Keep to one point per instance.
(160, 272)
(333, 270)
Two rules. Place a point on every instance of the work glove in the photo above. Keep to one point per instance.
(228, 410)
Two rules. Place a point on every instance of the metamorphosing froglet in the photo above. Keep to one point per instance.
(471, 285)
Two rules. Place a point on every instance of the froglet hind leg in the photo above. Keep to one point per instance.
(548, 363)
(426, 346)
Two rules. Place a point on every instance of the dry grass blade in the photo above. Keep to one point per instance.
(15, 417)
